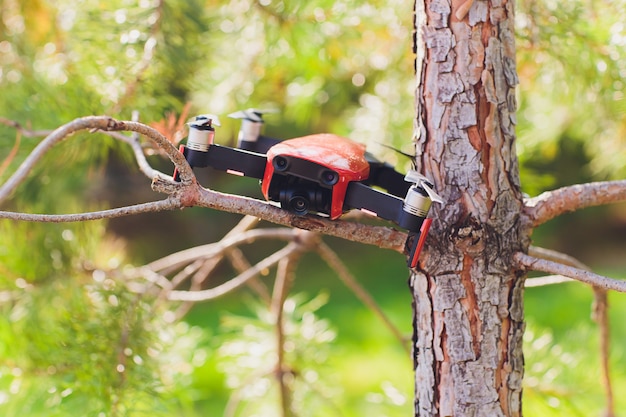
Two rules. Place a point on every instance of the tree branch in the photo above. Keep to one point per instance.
(601, 316)
(600, 312)
(187, 192)
(176, 260)
(140, 157)
(102, 123)
(24, 131)
(551, 204)
(236, 282)
(284, 277)
(384, 237)
(151, 207)
(536, 264)
(546, 280)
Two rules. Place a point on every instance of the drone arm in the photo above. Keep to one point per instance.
(362, 196)
(261, 145)
(236, 161)
(409, 213)
(385, 176)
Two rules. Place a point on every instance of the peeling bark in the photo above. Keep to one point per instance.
(467, 290)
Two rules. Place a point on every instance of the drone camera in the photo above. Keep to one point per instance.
(301, 200)
(301, 186)
(280, 163)
(329, 177)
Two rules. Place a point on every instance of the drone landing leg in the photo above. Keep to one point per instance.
(418, 243)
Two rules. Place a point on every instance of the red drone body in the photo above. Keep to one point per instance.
(334, 162)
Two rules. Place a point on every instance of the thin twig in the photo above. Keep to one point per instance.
(601, 316)
(335, 263)
(24, 131)
(551, 204)
(12, 153)
(151, 207)
(556, 256)
(240, 263)
(600, 313)
(546, 280)
(284, 277)
(202, 268)
(103, 123)
(175, 260)
(140, 156)
(236, 282)
(536, 264)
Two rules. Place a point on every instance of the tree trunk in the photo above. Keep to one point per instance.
(467, 293)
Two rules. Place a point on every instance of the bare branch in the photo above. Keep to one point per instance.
(601, 316)
(202, 268)
(12, 153)
(284, 277)
(102, 123)
(536, 264)
(176, 260)
(24, 131)
(236, 282)
(551, 204)
(189, 193)
(600, 312)
(546, 280)
(140, 157)
(556, 256)
(154, 206)
(380, 236)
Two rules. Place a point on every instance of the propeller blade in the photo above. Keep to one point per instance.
(205, 120)
(415, 177)
(435, 198)
(254, 115)
(420, 180)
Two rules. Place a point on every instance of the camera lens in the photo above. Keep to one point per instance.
(329, 177)
(280, 163)
(299, 204)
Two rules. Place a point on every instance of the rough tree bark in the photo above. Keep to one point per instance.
(467, 291)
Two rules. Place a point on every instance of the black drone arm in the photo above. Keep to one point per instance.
(363, 197)
(261, 145)
(383, 174)
(409, 212)
(234, 161)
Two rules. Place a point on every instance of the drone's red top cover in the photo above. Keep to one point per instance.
(342, 155)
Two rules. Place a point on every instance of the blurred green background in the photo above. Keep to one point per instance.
(327, 66)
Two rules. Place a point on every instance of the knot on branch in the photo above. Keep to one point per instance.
(189, 195)
(115, 125)
(186, 192)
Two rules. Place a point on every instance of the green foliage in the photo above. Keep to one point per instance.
(572, 65)
(93, 347)
(337, 66)
(248, 359)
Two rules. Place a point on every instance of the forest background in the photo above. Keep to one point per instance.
(325, 66)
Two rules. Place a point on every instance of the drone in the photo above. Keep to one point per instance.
(320, 174)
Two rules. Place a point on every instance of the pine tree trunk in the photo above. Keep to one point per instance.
(467, 293)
